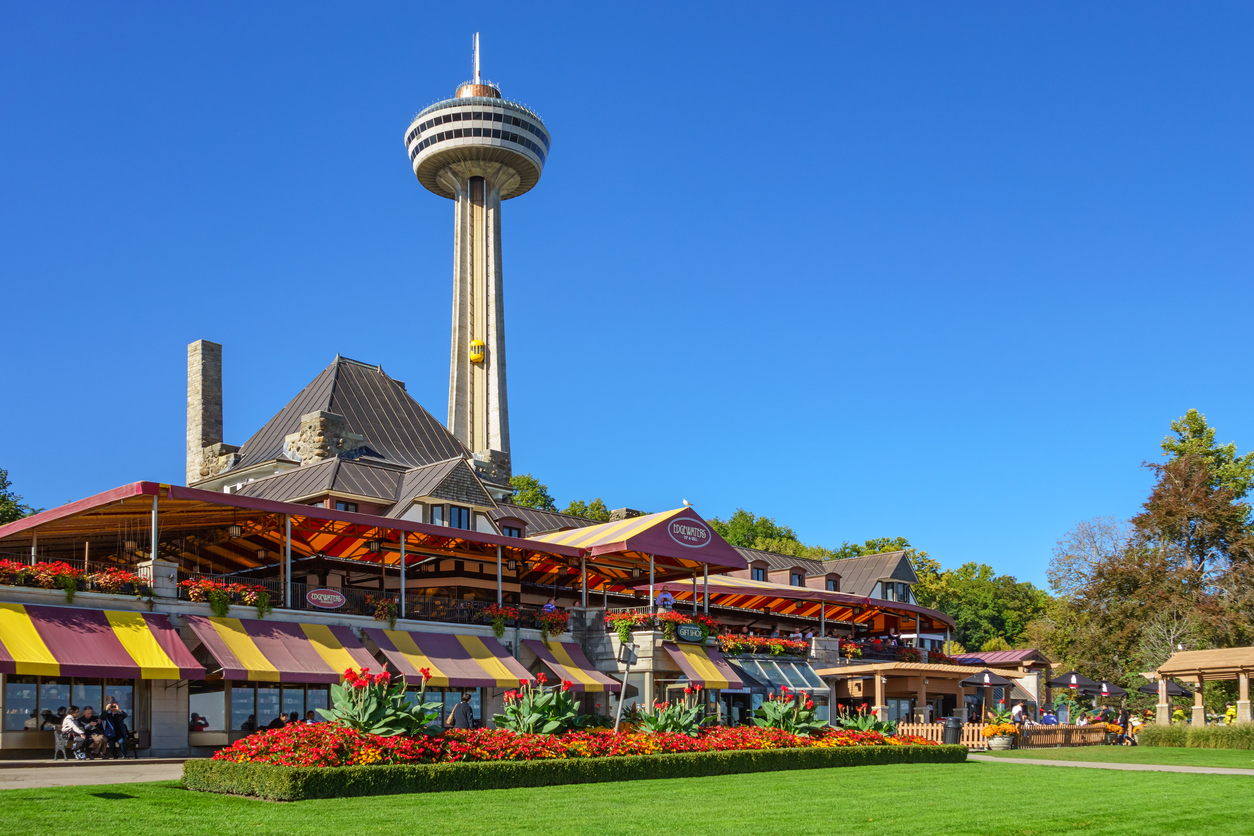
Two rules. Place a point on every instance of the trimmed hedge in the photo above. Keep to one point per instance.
(286, 783)
(1240, 736)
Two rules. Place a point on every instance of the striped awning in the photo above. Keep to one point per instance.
(280, 651)
(567, 662)
(69, 641)
(703, 666)
(454, 661)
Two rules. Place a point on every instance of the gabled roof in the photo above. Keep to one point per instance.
(373, 405)
(426, 481)
(1002, 657)
(859, 575)
(539, 521)
(373, 479)
(784, 561)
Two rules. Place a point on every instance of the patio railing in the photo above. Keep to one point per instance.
(1029, 737)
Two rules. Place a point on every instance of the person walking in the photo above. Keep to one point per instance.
(463, 714)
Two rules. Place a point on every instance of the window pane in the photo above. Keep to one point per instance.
(293, 702)
(21, 697)
(207, 700)
(54, 695)
(268, 704)
(87, 692)
(243, 712)
(318, 697)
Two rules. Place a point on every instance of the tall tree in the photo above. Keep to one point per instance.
(746, 529)
(530, 493)
(11, 506)
(594, 510)
(1192, 436)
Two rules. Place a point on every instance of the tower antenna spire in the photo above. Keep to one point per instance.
(476, 58)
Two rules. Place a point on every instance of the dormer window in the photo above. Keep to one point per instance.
(350, 507)
(759, 573)
(511, 531)
(833, 584)
(797, 579)
(459, 517)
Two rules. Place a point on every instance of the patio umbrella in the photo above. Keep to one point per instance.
(1109, 689)
(985, 679)
(1076, 682)
(1173, 690)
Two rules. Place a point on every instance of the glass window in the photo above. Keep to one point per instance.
(476, 132)
(86, 692)
(317, 697)
(21, 703)
(798, 579)
(516, 120)
(350, 507)
(121, 691)
(511, 531)
(54, 694)
(207, 701)
(496, 117)
(459, 517)
(268, 704)
(243, 708)
(437, 515)
(833, 585)
(759, 574)
(457, 117)
(476, 115)
(294, 703)
(903, 593)
(452, 697)
(496, 134)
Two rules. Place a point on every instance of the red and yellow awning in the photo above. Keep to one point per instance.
(703, 666)
(67, 641)
(454, 661)
(278, 651)
(567, 662)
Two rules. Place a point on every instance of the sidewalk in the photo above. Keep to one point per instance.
(1130, 767)
(25, 775)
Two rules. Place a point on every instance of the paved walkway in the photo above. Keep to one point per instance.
(1130, 767)
(78, 773)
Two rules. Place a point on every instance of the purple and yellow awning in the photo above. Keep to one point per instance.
(454, 661)
(279, 651)
(67, 641)
(703, 666)
(567, 662)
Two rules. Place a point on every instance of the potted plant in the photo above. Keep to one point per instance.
(215, 593)
(58, 575)
(498, 613)
(1000, 732)
(13, 573)
(255, 595)
(1113, 731)
(670, 620)
(623, 623)
(384, 609)
(552, 624)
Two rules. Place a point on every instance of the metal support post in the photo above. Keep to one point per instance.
(652, 600)
(583, 571)
(287, 560)
(705, 593)
(34, 545)
(403, 587)
(153, 554)
(694, 593)
(499, 598)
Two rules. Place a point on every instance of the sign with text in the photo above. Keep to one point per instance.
(689, 532)
(326, 599)
(689, 632)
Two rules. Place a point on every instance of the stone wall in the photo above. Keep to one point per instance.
(322, 435)
(204, 403)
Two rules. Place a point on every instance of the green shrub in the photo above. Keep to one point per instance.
(1240, 736)
(1154, 734)
(283, 783)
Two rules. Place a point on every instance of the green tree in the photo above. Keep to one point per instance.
(985, 606)
(11, 506)
(1192, 436)
(745, 529)
(594, 510)
(530, 493)
(877, 545)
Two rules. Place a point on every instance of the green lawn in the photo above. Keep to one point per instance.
(972, 798)
(1228, 758)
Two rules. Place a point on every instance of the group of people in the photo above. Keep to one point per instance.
(199, 723)
(93, 735)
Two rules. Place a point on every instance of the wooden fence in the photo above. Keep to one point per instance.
(1030, 737)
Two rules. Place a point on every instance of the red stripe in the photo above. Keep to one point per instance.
(168, 639)
(83, 642)
(232, 668)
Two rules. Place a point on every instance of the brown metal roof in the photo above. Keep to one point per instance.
(539, 521)
(421, 481)
(1002, 657)
(373, 405)
(858, 575)
(350, 477)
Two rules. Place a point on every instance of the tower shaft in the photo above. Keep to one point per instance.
(478, 406)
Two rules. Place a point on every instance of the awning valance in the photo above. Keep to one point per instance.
(69, 641)
(567, 662)
(454, 661)
(703, 666)
(280, 651)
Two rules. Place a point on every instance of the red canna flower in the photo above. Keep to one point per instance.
(541, 678)
(566, 685)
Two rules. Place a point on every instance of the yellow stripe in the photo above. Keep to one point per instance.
(562, 655)
(704, 666)
(329, 648)
(237, 640)
(408, 648)
(597, 535)
(138, 641)
(491, 665)
(24, 643)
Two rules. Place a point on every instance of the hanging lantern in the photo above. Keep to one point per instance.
(374, 546)
(234, 530)
(262, 554)
(477, 351)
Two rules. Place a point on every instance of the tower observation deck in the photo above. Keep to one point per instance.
(478, 149)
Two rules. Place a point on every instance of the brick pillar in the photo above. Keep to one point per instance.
(204, 402)
(1199, 713)
(1243, 698)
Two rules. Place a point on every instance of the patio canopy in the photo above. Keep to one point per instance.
(1109, 689)
(454, 661)
(1173, 690)
(986, 679)
(280, 651)
(778, 673)
(567, 662)
(703, 666)
(1076, 682)
(679, 542)
(803, 601)
(1222, 663)
(68, 641)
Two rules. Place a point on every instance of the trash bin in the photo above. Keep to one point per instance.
(952, 735)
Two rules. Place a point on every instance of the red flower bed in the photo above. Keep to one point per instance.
(327, 744)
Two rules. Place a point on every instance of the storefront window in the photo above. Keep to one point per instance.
(121, 691)
(243, 708)
(87, 692)
(54, 694)
(268, 705)
(294, 703)
(453, 697)
(21, 703)
(207, 701)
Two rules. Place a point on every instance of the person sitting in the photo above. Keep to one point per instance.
(118, 734)
(72, 730)
(93, 728)
(32, 722)
(809, 635)
(665, 600)
(795, 635)
(197, 723)
(293, 719)
(550, 606)
(276, 723)
(1048, 718)
(250, 724)
(744, 631)
(775, 633)
(311, 717)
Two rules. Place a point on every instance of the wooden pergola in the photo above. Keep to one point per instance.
(1198, 666)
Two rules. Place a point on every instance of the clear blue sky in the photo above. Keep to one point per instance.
(944, 271)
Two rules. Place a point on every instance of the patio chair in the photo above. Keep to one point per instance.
(62, 745)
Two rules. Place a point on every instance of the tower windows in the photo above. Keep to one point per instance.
(477, 131)
(457, 133)
(496, 134)
(457, 117)
(516, 121)
(496, 117)
(476, 116)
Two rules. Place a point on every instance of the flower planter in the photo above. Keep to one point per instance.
(1000, 743)
(127, 589)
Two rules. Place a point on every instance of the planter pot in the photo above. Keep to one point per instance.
(127, 589)
(1000, 743)
(80, 585)
(1111, 739)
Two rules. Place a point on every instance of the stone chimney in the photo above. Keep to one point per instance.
(204, 403)
(322, 435)
(620, 514)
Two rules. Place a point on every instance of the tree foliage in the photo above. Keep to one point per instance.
(1192, 436)
(11, 506)
(986, 607)
(530, 493)
(594, 510)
